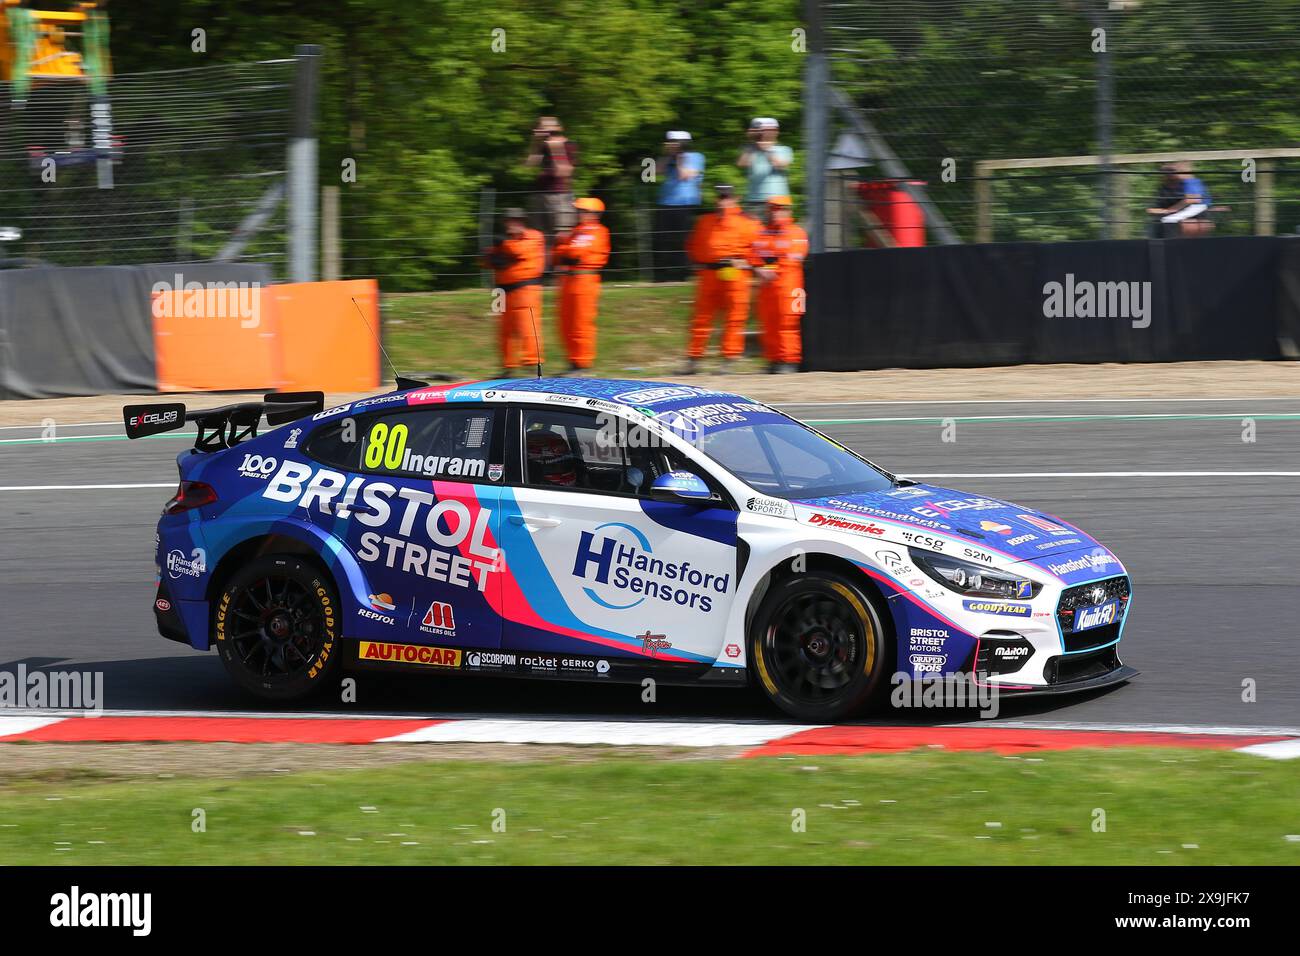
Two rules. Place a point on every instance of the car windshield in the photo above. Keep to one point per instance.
(786, 460)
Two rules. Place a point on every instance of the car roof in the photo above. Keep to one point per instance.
(630, 393)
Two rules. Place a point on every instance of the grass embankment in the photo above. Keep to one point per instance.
(1161, 806)
(641, 332)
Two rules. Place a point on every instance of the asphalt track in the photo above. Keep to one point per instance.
(1208, 525)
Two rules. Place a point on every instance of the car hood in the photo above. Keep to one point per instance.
(1013, 532)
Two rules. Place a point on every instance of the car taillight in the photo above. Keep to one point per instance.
(190, 494)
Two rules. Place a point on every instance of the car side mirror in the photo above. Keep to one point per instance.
(681, 487)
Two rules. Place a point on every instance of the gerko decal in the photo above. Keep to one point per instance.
(623, 570)
(323, 491)
(409, 654)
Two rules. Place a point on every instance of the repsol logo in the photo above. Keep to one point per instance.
(624, 572)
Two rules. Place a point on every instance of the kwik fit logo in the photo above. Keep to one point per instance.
(619, 561)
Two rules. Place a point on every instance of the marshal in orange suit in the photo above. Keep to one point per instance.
(719, 246)
(579, 257)
(777, 255)
(518, 262)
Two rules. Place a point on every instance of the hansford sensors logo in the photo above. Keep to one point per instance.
(620, 563)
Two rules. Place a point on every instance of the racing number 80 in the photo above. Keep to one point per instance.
(385, 446)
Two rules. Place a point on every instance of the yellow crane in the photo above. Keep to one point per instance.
(50, 45)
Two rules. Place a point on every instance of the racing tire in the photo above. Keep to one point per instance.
(276, 628)
(819, 647)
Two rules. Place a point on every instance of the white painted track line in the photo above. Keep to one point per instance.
(1209, 729)
(625, 733)
(1276, 750)
(170, 484)
(10, 725)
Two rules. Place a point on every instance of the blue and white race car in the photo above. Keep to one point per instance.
(608, 531)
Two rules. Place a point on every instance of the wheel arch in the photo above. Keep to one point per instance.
(823, 561)
(323, 551)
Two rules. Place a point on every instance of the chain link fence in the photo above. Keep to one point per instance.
(952, 83)
(198, 163)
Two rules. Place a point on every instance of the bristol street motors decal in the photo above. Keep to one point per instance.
(409, 654)
(376, 509)
(619, 561)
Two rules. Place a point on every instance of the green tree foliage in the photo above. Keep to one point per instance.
(435, 100)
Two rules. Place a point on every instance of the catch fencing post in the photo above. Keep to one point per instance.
(302, 165)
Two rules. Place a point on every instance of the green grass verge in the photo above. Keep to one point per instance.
(641, 332)
(1161, 806)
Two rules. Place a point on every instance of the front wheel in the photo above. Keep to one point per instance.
(276, 627)
(819, 647)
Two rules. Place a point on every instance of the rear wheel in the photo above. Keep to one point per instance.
(819, 647)
(276, 627)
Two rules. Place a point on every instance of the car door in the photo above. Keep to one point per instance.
(420, 512)
(596, 567)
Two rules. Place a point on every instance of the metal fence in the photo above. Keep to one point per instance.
(948, 84)
(195, 155)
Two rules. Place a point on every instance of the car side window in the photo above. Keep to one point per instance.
(446, 443)
(586, 452)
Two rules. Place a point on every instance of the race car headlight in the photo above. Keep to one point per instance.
(972, 579)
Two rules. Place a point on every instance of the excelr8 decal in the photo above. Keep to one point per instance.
(620, 564)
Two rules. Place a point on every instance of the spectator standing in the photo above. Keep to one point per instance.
(777, 255)
(681, 176)
(766, 163)
(555, 157)
(518, 262)
(720, 246)
(579, 257)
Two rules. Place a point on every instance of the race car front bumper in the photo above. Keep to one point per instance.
(1076, 673)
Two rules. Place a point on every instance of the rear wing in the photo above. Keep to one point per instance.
(223, 427)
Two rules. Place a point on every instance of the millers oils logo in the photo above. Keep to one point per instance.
(410, 654)
(439, 619)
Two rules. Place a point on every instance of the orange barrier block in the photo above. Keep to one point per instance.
(293, 337)
(324, 342)
(214, 339)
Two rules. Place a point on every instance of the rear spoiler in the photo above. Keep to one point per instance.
(223, 427)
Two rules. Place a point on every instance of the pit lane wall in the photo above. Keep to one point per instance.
(1177, 300)
(184, 327)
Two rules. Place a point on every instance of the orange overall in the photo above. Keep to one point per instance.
(518, 265)
(718, 237)
(580, 256)
(781, 300)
